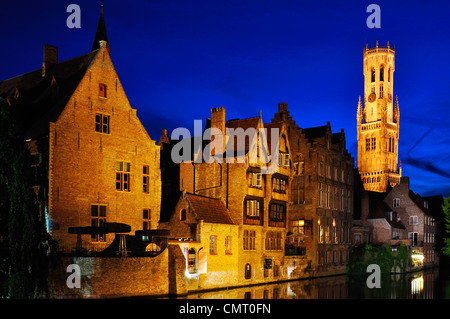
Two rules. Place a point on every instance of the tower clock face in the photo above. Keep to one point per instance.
(372, 97)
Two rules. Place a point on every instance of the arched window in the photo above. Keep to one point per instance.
(183, 214)
(389, 75)
(382, 73)
(373, 75)
(248, 271)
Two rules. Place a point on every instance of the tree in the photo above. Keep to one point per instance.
(23, 263)
(446, 210)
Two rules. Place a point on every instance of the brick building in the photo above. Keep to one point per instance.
(398, 216)
(321, 196)
(203, 229)
(420, 222)
(256, 201)
(95, 161)
(376, 222)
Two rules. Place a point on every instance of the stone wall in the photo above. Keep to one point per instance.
(113, 277)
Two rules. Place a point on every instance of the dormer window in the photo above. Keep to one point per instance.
(102, 90)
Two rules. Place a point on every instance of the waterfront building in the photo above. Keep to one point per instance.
(398, 216)
(420, 222)
(94, 161)
(203, 229)
(256, 200)
(320, 205)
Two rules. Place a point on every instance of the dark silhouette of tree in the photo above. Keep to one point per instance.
(23, 249)
(446, 210)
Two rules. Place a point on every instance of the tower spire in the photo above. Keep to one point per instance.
(100, 34)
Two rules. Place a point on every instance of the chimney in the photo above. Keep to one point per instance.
(218, 121)
(50, 58)
(282, 107)
(164, 138)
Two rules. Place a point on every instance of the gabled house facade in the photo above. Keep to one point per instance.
(203, 229)
(95, 161)
(321, 198)
(420, 222)
(254, 193)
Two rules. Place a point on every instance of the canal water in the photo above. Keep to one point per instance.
(427, 284)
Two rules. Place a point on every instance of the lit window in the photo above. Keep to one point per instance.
(255, 180)
(279, 185)
(298, 226)
(252, 208)
(396, 202)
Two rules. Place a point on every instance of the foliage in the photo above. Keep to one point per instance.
(388, 260)
(446, 210)
(23, 266)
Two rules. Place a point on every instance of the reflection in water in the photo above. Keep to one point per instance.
(419, 285)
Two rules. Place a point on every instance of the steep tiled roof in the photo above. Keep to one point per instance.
(378, 208)
(210, 210)
(37, 100)
(315, 132)
(100, 34)
(419, 201)
(244, 124)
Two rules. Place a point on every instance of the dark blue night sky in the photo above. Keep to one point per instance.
(179, 58)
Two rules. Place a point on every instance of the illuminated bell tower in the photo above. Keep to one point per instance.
(378, 121)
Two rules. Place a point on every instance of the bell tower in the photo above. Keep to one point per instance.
(378, 121)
